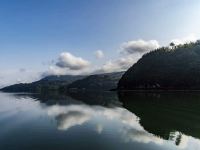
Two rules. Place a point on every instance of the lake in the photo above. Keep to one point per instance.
(100, 121)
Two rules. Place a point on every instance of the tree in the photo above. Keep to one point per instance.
(172, 44)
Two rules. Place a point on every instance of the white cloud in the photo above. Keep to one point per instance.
(68, 64)
(99, 54)
(131, 51)
(139, 46)
(120, 64)
(187, 39)
(71, 62)
(55, 70)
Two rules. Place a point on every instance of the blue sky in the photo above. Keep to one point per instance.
(34, 33)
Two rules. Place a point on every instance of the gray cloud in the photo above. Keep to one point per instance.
(22, 70)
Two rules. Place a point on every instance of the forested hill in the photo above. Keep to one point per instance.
(168, 68)
(100, 82)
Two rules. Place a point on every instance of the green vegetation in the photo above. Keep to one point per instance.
(167, 68)
(100, 82)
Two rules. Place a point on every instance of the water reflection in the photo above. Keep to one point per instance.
(146, 121)
(107, 99)
(74, 115)
(163, 113)
(170, 116)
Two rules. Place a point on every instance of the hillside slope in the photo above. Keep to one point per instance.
(169, 69)
(98, 82)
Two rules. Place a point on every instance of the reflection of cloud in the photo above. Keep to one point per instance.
(99, 128)
(121, 114)
(141, 136)
(70, 119)
(184, 142)
(189, 142)
(72, 115)
(130, 129)
(69, 116)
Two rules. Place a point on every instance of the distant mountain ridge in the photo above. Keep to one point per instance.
(68, 78)
(62, 83)
(52, 82)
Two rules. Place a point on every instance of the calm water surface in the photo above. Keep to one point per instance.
(129, 121)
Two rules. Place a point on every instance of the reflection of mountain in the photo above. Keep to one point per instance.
(109, 99)
(51, 98)
(97, 98)
(163, 113)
